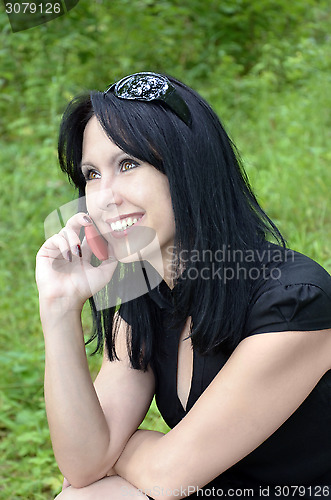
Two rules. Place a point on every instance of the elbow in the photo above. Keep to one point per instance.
(80, 481)
(81, 477)
(84, 469)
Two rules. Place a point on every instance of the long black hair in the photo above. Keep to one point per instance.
(214, 208)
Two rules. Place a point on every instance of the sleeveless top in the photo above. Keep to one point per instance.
(295, 297)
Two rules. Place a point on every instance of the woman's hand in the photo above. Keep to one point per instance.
(64, 274)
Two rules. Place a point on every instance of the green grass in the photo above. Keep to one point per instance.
(284, 139)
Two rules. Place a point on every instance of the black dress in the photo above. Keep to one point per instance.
(295, 297)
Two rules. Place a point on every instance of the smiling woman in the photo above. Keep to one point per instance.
(232, 332)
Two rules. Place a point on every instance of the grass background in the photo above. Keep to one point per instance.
(266, 74)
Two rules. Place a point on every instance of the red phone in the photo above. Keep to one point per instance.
(97, 243)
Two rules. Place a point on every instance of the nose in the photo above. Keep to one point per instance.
(109, 194)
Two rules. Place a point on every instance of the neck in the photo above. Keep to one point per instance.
(170, 272)
(163, 262)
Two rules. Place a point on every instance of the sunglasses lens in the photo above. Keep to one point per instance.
(146, 87)
(151, 87)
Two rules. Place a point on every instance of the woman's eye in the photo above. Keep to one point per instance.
(128, 165)
(91, 174)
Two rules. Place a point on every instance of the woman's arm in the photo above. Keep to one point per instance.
(89, 425)
(87, 436)
(265, 380)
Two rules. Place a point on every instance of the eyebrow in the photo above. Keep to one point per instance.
(86, 164)
(110, 160)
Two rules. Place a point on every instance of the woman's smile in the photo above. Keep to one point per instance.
(122, 225)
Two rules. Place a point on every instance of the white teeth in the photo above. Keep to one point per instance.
(122, 224)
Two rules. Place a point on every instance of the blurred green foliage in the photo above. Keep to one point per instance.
(264, 65)
(281, 42)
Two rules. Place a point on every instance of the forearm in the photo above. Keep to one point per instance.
(140, 463)
(79, 431)
(155, 464)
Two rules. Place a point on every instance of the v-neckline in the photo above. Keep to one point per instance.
(185, 363)
(162, 295)
(185, 409)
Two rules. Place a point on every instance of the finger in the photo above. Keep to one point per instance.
(56, 247)
(72, 232)
(77, 221)
(73, 241)
(86, 250)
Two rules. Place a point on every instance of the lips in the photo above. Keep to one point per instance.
(136, 215)
(122, 225)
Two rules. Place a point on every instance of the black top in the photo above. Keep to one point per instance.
(295, 296)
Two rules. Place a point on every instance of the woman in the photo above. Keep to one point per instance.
(232, 333)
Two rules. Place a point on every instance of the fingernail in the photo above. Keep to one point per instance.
(78, 251)
(87, 219)
(69, 256)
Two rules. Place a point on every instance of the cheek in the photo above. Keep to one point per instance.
(165, 205)
(91, 202)
(166, 215)
(88, 198)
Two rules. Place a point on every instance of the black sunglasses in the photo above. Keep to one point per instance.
(151, 87)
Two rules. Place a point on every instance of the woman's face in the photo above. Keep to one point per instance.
(129, 200)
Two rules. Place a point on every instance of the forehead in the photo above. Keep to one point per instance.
(96, 141)
(130, 132)
(93, 131)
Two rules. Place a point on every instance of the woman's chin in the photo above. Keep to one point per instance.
(128, 259)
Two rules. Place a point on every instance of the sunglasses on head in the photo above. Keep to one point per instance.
(151, 87)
